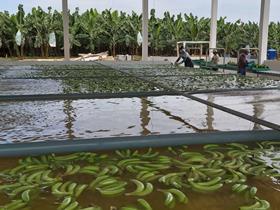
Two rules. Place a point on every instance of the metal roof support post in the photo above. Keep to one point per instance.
(213, 29)
(263, 33)
(66, 30)
(145, 23)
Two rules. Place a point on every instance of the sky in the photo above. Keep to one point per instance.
(246, 10)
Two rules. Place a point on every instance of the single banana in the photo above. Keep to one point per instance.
(255, 206)
(253, 191)
(139, 187)
(72, 206)
(144, 204)
(214, 181)
(205, 188)
(181, 197)
(79, 189)
(25, 196)
(65, 203)
(169, 200)
(112, 191)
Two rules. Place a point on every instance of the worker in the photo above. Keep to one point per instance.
(185, 57)
(242, 63)
(215, 60)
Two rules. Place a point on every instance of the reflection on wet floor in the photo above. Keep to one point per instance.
(55, 120)
(263, 104)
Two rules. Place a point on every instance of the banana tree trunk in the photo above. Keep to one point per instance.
(9, 50)
(114, 50)
(42, 51)
(22, 50)
(17, 51)
(47, 50)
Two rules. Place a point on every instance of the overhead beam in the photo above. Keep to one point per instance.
(65, 16)
(213, 27)
(145, 22)
(263, 33)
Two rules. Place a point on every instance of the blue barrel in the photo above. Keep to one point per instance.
(271, 54)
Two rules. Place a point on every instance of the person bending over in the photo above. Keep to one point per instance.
(186, 58)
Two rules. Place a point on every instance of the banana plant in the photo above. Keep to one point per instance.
(7, 31)
(93, 31)
(19, 20)
(274, 36)
(90, 24)
(114, 28)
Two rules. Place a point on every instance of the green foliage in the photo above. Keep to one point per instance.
(116, 32)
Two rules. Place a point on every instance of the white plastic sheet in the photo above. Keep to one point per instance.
(52, 39)
(18, 38)
(139, 38)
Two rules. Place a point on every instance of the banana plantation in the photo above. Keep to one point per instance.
(29, 34)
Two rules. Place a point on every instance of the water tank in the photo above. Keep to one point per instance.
(271, 54)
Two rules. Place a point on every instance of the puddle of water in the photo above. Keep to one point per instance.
(261, 104)
(51, 120)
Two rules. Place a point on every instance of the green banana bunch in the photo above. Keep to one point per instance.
(239, 188)
(172, 179)
(208, 186)
(16, 171)
(44, 159)
(212, 147)
(72, 169)
(68, 188)
(21, 189)
(67, 158)
(233, 164)
(238, 146)
(35, 168)
(14, 205)
(235, 177)
(150, 154)
(108, 186)
(91, 170)
(258, 205)
(10, 187)
(215, 155)
(141, 188)
(196, 174)
(257, 170)
(130, 161)
(172, 151)
(212, 172)
(176, 194)
(40, 178)
(147, 176)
